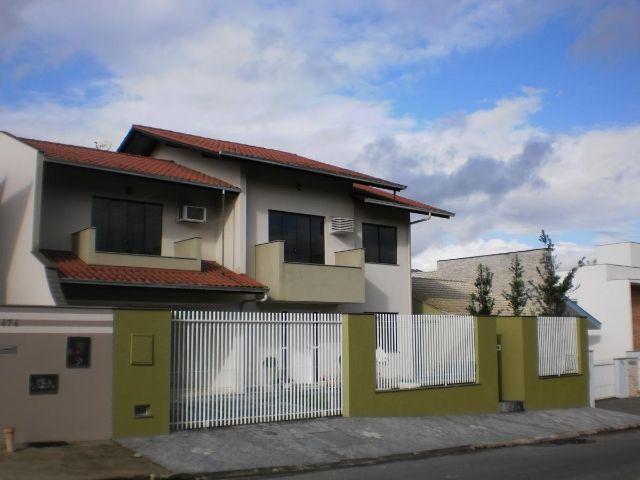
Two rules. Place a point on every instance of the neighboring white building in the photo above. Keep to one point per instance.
(610, 290)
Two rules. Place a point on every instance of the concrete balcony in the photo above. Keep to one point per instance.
(188, 254)
(311, 282)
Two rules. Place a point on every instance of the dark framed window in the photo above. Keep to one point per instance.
(380, 243)
(78, 352)
(126, 226)
(303, 236)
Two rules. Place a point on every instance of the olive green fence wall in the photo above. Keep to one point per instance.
(519, 368)
(142, 361)
(360, 397)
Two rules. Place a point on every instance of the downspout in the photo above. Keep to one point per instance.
(264, 298)
(425, 219)
(223, 222)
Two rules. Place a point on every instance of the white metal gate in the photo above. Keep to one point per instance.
(231, 368)
(558, 346)
(425, 350)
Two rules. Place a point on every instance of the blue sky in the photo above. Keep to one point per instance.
(516, 115)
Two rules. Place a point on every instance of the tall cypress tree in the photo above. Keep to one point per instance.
(550, 291)
(481, 302)
(518, 295)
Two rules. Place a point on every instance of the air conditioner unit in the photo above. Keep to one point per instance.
(192, 214)
(340, 225)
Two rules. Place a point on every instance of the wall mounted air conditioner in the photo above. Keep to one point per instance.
(341, 225)
(192, 214)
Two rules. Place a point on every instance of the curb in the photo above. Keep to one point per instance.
(396, 457)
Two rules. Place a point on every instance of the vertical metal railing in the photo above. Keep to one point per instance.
(231, 368)
(425, 350)
(558, 346)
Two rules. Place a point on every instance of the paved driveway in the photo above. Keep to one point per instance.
(626, 405)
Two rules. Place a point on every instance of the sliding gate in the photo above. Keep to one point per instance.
(231, 368)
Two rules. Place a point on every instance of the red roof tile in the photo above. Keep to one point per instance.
(212, 276)
(125, 163)
(279, 157)
(407, 202)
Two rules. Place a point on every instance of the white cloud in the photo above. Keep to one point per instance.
(427, 259)
(283, 74)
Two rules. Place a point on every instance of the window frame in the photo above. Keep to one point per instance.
(126, 200)
(308, 216)
(378, 229)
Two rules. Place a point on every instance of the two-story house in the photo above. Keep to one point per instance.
(172, 219)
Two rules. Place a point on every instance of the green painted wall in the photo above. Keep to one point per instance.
(142, 360)
(520, 380)
(513, 360)
(359, 378)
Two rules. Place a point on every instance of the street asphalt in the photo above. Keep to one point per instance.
(604, 456)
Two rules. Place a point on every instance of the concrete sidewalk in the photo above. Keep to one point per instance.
(333, 442)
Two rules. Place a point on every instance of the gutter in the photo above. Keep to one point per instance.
(164, 286)
(432, 212)
(230, 188)
(384, 184)
(373, 182)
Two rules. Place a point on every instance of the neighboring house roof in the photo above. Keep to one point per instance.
(133, 143)
(375, 195)
(125, 163)
(453, 297)
(581, 312)
(212, 276)
(448, 296)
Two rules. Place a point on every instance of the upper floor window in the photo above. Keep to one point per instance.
(303, 236)
(126, 226)
(380, 243)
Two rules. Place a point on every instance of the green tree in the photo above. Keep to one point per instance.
(518, 294)
(481, 301)
(550, 291)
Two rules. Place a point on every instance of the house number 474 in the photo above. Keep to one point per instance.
(8, 322)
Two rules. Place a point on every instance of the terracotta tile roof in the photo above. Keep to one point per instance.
(125, 163)
(279, 157)
(418, 207)
(212, 276)
(453, 296)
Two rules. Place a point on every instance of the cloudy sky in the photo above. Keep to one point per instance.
(516, 115)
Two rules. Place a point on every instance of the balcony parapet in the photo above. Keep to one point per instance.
(188, 254)
(310, 282)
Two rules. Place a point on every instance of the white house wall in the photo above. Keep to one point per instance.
(235, 205)
(22, 275)
(610, 302)
(627, 253)
(388, 287)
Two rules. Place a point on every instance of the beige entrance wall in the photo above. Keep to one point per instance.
(81, 410)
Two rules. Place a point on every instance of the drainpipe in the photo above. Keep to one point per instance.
(223, 222)
(264, 298)
(426, 219)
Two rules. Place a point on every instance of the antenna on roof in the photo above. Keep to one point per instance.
(103, 145)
